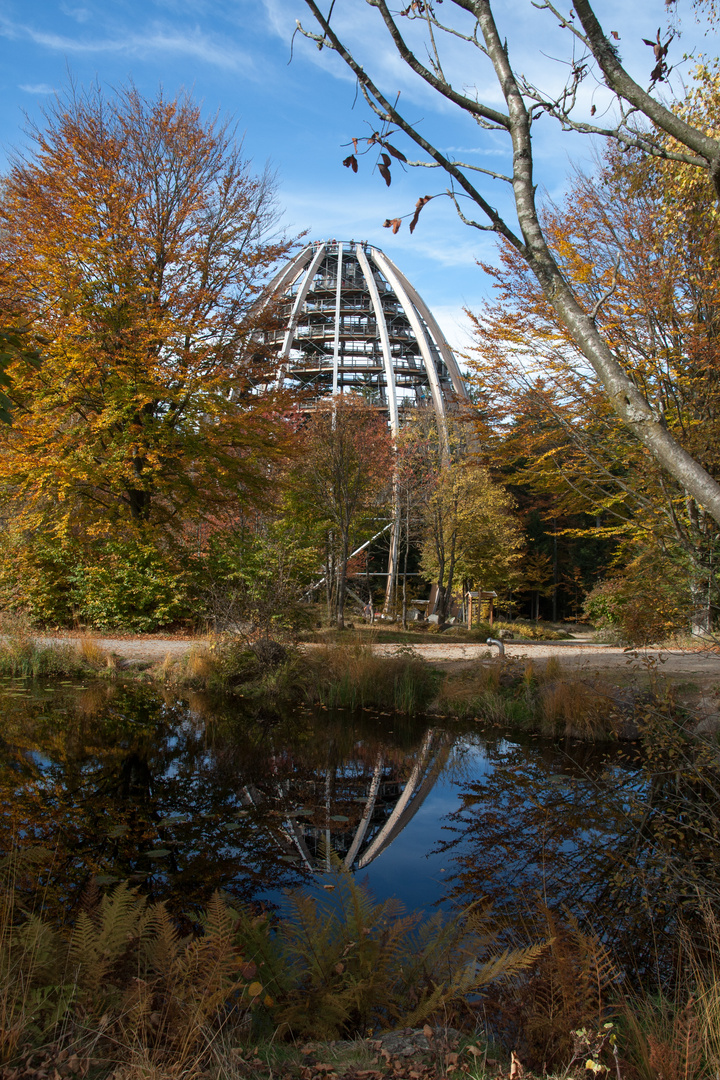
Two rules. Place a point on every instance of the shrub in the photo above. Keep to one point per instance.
(130, 585)
(647, 602)
(123, 976)
(36, 577)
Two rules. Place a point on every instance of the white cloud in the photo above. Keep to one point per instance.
(79, 14)
(149, 42)
(36, 88)
(455, 325)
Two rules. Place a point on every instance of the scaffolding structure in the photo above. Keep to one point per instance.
(351, 322)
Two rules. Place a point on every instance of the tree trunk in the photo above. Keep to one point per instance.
(626, 399)
(341, 581)
(405, 562)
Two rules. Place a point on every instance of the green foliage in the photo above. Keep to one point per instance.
(348, 965)
(124, 584)
(36, 577)
(253, 580)
(132, 585)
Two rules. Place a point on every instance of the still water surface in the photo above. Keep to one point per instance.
(183, 795)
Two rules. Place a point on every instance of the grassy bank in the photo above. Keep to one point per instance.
(547, 700)
(23, 655)
(345, 675)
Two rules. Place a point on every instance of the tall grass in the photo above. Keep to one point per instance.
(349, 676)
(545, 700)
(264, 670)
(23, 656)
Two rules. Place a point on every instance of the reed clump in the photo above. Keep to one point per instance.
(350, 676)
(541, 699)
(262, 669)
(23, 655)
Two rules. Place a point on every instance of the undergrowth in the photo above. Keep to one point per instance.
(349, 675)
(265, 669)
(123, 992)
(124, 985)
(23, 655)
(547, 700)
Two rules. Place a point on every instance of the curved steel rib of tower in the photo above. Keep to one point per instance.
(354, 323)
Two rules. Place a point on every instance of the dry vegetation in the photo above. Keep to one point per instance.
(550, 701)
(123, 995)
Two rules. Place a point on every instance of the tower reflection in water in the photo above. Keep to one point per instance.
(353, 809)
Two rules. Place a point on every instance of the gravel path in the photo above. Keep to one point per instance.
(575, 653)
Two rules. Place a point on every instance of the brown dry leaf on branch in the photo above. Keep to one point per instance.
(383, 169)
(394, 151)
(418, 207)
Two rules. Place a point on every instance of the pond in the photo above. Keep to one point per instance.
(182, 795)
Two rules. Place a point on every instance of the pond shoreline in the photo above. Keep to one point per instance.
(671, 663)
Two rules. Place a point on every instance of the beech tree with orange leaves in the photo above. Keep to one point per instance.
(136, 239)
(135, 235)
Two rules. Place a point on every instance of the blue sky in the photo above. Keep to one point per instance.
(233, 56)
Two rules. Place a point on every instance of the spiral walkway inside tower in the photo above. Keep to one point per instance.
(353, 323)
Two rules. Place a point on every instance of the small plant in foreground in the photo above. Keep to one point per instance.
(346, 965)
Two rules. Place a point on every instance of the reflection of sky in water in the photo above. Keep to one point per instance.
(182, 801)
(408, 869)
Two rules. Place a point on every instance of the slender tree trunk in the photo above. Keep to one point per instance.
(555, 570)
(405, 562)
(627, 400)
(447, 598)
(341, 581)
(329, 579)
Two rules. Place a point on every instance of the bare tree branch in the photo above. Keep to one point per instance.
(626, 398)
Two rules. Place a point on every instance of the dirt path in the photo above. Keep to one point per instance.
(693, 665)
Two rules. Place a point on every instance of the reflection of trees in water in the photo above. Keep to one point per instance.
(622, 839)
(124, 783)
(133, 788)
(354, 807)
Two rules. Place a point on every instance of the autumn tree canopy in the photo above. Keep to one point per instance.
(426, 37)
(136, 238)
(635, 243)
